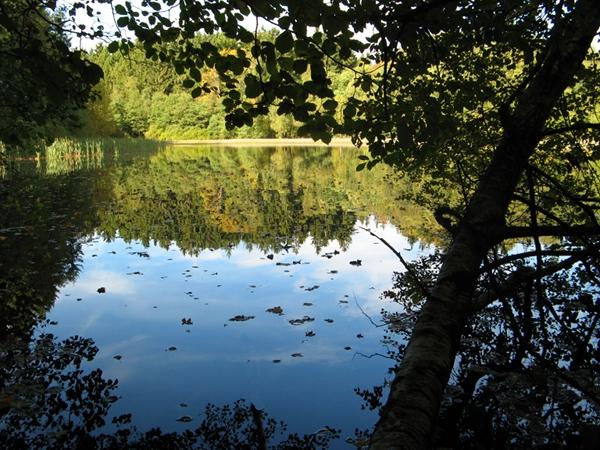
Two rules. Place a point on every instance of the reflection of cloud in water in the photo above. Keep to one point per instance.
(115, 283)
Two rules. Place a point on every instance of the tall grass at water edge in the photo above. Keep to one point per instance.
(66, 155)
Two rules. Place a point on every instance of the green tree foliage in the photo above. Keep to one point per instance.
(148, 98)
(43, 82)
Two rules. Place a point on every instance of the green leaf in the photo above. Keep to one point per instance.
(196, 92)
(113, 47)
(360, 167)
(300, 66)
(253, 87)
(330, 104)
(123, 21)
(120, 9)
(284, 42)
(188, 83)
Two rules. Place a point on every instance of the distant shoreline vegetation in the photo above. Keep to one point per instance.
(263, 142)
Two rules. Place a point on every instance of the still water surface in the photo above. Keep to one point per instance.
(152, 254)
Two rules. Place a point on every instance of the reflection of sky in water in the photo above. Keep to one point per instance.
(219, 361)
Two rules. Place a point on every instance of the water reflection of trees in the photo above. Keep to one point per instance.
(216, 197)
(43, 221)
(49, 400)
(527, 370)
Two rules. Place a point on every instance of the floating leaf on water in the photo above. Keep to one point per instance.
(282, 264)
(332, 271)
(329, 320)
(183, 405)
(187, 321)
(185, 419)
(307, 304)
(252, 286)
(276, 310)
(309, 333)
(359, 336)
(343, 301)
(53, 322)
(276, 361)
(347, 348)
(312, 288)
(356, 262)
(297, 355)
(240, 318)
(101, 290)
(79, 299)
(270, 256)
(172, 349)
(140, 254)
(117, 357)
(301, 321)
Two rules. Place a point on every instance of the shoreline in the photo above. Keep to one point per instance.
(306, 142)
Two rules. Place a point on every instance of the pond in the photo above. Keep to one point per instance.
(201, 275)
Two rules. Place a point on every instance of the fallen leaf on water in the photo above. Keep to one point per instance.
(183, 405)
(359, 336)
(276, 310)
(347, 348)
(240, 318)
(117, 357)
(101, 290)
(307, 304)
(301, 321)
(329, 320)
(185, 419)
(356, 262)
(297, 355)
(309, 334)
(172, 349)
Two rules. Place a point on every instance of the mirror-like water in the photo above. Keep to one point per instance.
(207, 275)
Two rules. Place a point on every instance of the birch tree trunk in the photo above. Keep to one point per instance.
(409, 416)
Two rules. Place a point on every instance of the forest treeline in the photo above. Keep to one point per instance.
(139, 97)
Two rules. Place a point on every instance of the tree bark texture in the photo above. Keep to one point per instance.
(409, 416)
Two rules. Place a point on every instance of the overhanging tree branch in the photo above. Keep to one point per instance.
(582, 126)
(521, 276)
(551, 230)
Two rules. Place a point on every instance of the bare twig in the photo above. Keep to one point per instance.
(407, 266)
